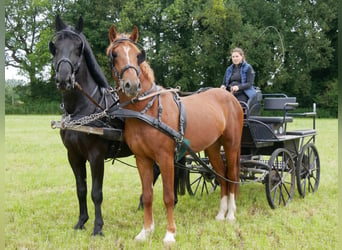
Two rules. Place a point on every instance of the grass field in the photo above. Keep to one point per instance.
(41, 206)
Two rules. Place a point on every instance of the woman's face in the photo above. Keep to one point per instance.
(236, 58)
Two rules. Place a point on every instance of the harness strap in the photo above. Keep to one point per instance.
(88, 96)
(154, 122)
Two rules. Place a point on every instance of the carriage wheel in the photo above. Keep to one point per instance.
(308, 170)
(280, 181)
(200, 183)
(198, 180)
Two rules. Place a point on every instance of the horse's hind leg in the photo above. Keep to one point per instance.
(217, 163)
(233, 161)
(79, 168)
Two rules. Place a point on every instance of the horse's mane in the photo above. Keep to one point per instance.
(92, 64)
(147, 71)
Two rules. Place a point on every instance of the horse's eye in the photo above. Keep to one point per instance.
(114, 55)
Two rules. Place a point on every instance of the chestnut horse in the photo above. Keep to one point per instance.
(214, 118)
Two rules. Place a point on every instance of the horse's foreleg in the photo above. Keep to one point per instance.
(97, 169)
(167, 172)
(146, 176)
(79, 168)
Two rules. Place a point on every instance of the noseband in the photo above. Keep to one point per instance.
(141, 58)
(74, 68)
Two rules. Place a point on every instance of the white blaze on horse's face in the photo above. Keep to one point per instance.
(126, 49)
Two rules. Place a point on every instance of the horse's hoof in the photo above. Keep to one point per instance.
(144, 234)
(169, 238)
(230, 218)
(220, 216)
(79, 227)
(98, 233)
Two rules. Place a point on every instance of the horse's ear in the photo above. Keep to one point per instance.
(135, 34)
(112, 33)
(60, 25)
(79, 25)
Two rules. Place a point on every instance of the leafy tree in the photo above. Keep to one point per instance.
(304, 26)
(24, 22)
(28, 30)
(290, 43)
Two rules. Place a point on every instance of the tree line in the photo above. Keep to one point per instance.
(292, 44)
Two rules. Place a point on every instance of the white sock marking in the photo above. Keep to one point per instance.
(231, 208)
(223, 208)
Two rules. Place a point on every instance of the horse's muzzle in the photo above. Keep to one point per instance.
(64, 82)
(64, 86)
(131, 88)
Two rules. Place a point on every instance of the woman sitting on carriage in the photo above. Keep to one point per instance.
(239, 77)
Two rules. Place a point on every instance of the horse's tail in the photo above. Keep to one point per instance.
(180, 174)
(237, 187)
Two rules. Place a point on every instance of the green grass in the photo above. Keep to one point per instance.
(41, 205)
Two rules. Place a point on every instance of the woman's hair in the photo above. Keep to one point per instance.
(240, 51)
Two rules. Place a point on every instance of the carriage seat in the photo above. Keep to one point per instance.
(274, 103)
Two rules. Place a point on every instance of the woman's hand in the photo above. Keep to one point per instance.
(234, 89)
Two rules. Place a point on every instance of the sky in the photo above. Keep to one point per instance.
(13, 73)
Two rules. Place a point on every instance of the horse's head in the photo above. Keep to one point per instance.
(126, 57)
(67, 47)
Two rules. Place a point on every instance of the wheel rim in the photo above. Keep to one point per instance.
(308, 170)
(280, 181)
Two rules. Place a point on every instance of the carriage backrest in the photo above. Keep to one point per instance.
(279, 103)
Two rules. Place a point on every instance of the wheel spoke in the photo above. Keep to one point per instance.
(275, 194)
(304, 185)
(198, 181)
(275, 187)
(312, 187)
(204, 186)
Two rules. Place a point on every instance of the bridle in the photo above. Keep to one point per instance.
(74, 67)
(141, 58)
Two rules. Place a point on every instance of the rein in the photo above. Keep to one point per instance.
(88, 96)
(162, 91)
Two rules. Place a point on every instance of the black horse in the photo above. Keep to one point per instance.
(74, 63)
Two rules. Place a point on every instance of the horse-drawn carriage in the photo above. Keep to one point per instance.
(270, 154)
(160, 126)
